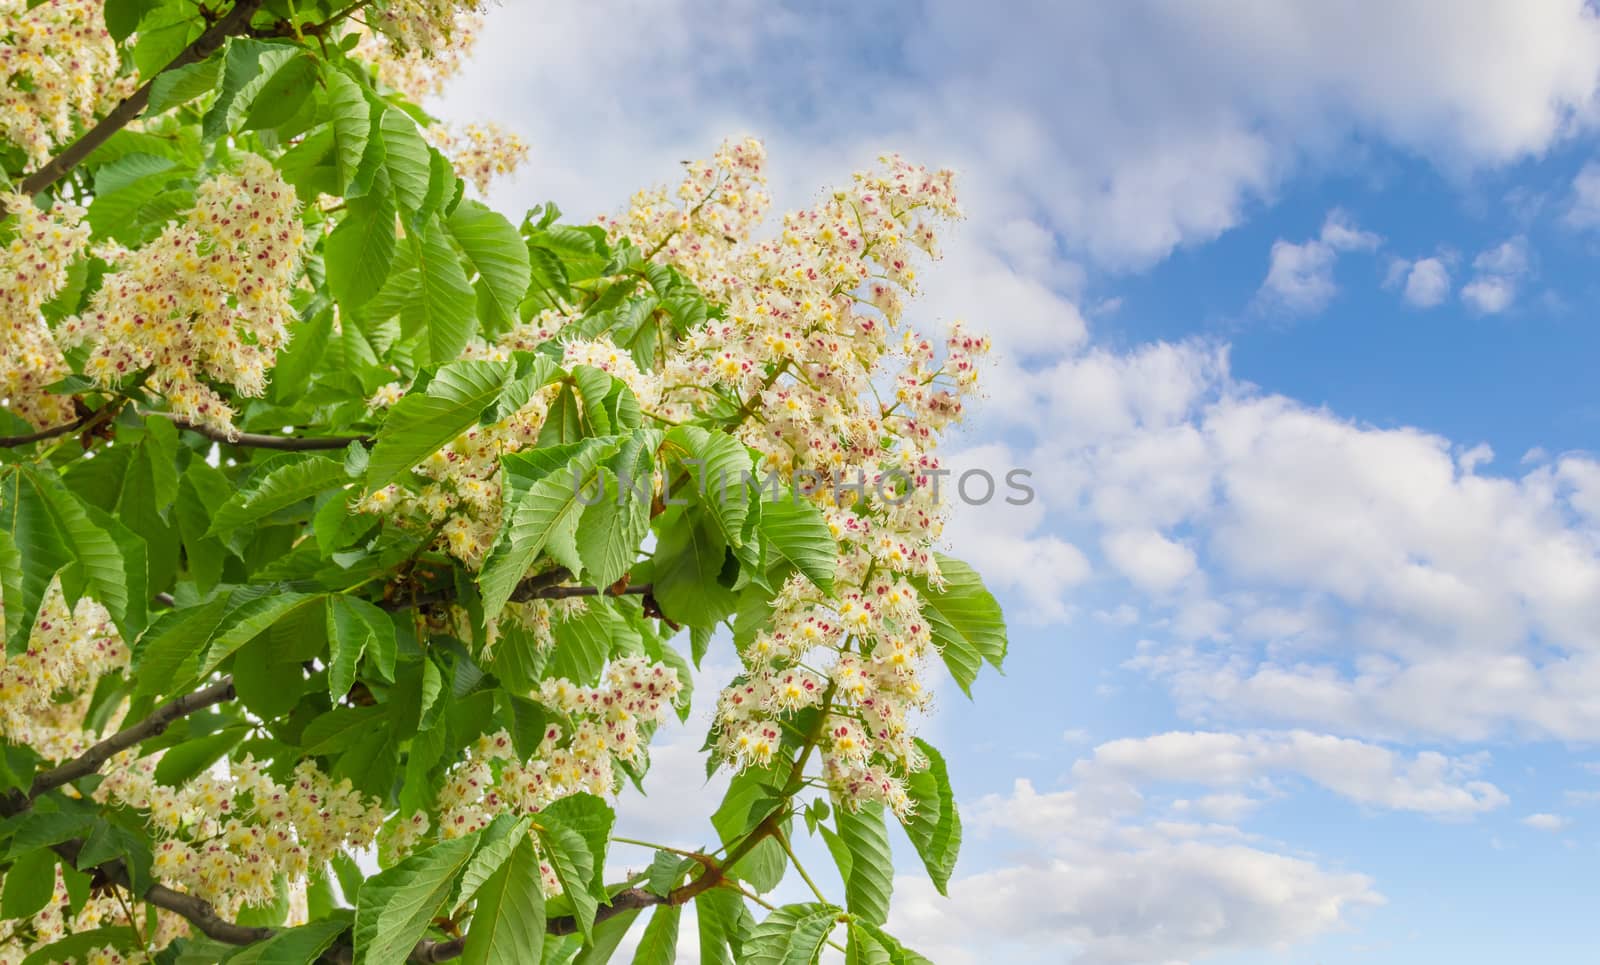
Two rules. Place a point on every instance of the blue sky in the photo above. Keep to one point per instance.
(1292, 307)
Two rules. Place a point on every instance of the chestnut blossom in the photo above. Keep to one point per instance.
(206, 304)
(480, 152)
(35, 260)
(58, 71)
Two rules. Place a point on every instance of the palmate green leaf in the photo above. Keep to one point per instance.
(423, 422)
(792, 935)
(294, 946)
(183, 761)
(243, 623)
(869, 879)
(934, 826)
(717, 465)
(31, 553)
(107, 560)
(396, 905)
(354, 628)
(795, 530)
(659, 943)
(123, 188)
(80, 944)
(689, 559)
(287, 482)
(598, 949)
(614, 526)
(508, 920)
(247, 66)
(569, 856)
(870, 945)
(544, 516)
(275, 98)
(584, 642)
(360, 251)
(29, 883)
(965, 621)
(497, 253)
(407, 159)
(443, 309)
(173, 87)
(495, 844)
(724, 924)
(123, 16)
(351, 123)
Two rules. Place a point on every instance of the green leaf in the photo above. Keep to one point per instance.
(351, 124)
(31, 554)
(183, 84)
(443, 309)
(122, 188)
(360, 251)
(123, 16)
(718, 465)
(597, 950)
(964, 619)
(355, 627)
(934, 826)
(78, 945)
(796, 531)
(396, 905)
(611, 529)
(869, 880)
(108, 561)
(871, 945)
(243, 623)
(495, 844)
(295, 946)
(247, 65)
(659, 943)
(29, 883)
(288, 482)
(724, 923)
(186, 760)
(278, 96)
(508, 920)
(407, 159)
(583, 644)
(545, 516)
(689, 558)
(422, 423)
(570, 858)
(496, 251)
(791, 935)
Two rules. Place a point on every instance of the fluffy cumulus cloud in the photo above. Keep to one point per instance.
(1546, 822)
(1220, 105)
(1497, 273)
(1423, 283)
(1300, 276)
(1114, 886)
(1368, 774)
(1346, 576)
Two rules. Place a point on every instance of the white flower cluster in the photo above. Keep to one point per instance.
(812, 327)
(45, 688)
(207, 302)
(229, 838)
(35, 261)
(58, 70)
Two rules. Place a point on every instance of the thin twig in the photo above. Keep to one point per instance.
(253, 440)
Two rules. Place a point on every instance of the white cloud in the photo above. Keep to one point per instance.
(1427, 283)
(1150, 560)
(1300, 276)
(1119, 891)
(1367, 774)
(1498, 271)
(1209, 117)
(1584, 211)
(1546, 822)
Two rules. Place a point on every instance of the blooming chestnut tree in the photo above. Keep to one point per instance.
(355, 538)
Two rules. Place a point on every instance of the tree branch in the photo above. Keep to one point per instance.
(255, 440)
(236, 21)
(542, 586)
(90, 760)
